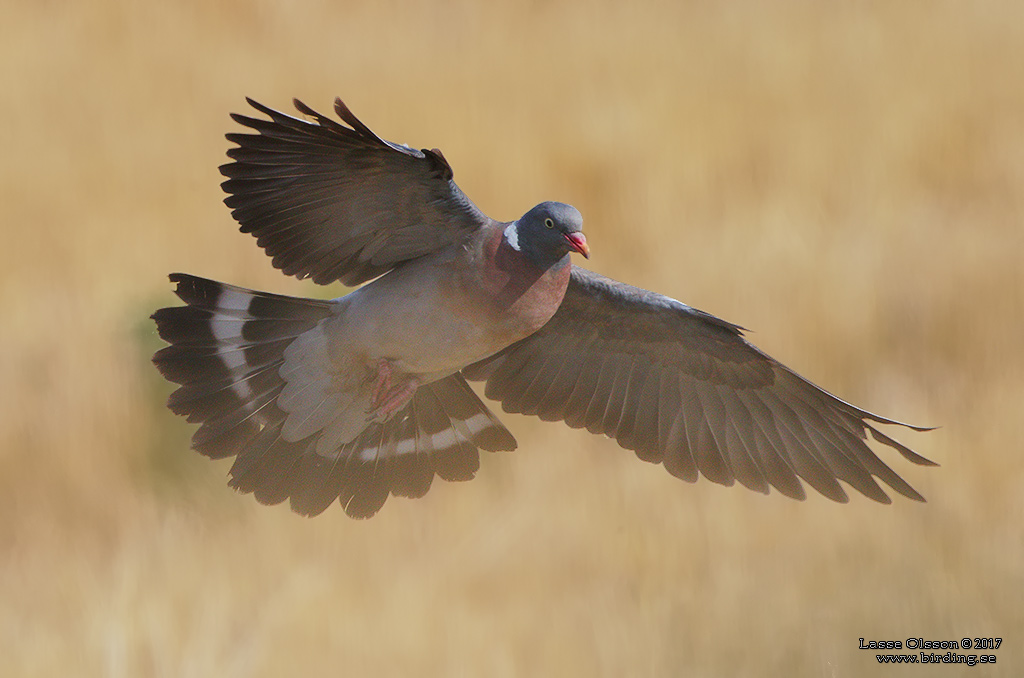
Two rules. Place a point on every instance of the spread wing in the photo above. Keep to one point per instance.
(684, 388)
(331, 202)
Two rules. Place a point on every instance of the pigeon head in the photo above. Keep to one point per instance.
(547, 233)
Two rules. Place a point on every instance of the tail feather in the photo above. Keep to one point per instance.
(364, 490)
(316, 483)
(256, 411)
(413, 473)
(227, 349)
(248, 459)
(455, 457)
(218, 395)
(400, 456)
(272, 479)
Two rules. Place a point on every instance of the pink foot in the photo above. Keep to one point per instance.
(396, 398)
(383, 383)
(389, 397)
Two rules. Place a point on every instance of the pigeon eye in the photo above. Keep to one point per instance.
(549, 223)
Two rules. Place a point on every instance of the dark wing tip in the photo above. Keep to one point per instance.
(266, 110)
(346, 114)
(907, 453)
(883, 498)
(343, 111)
(910, 493)
(440, 163)
(893, 422)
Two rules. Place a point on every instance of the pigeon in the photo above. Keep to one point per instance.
(367, 395)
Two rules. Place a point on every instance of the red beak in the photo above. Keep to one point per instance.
(578, 243)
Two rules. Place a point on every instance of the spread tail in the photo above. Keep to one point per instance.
(227, 348)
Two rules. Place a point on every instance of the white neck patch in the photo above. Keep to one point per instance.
(512, 236)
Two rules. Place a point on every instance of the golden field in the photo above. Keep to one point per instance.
(847, 179)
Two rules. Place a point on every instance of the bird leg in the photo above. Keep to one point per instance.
(388, 396)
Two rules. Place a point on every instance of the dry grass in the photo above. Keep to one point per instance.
(846, 178)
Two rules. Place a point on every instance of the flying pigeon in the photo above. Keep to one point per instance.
(365, 396)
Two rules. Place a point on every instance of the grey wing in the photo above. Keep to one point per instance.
(334, 202)
(684, 388)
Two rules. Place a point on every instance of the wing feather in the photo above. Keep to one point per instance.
(684, 388)
(333, 202)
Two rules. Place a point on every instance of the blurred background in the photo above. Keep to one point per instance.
(845, 179)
